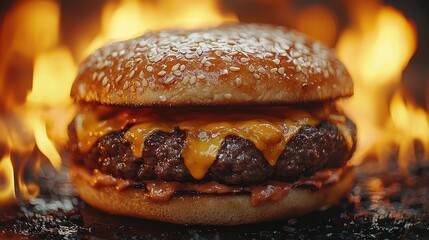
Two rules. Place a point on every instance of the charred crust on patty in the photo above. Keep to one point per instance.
(238, 161)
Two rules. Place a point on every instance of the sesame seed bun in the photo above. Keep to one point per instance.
(243, 64)
(211, 209)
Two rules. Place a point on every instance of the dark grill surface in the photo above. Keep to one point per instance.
(382, 204)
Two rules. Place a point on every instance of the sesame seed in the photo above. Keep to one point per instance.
(169, 79)
(234, 69)
(162, 73)
(126, 84)
(141, 74)
(245, 60)
(100, 76)
(193, 80)
(251, 68)
(182, 67)
(104, 82)
(256, 76)
(132, 73)
(295, 54)
(199, 51)
(276, 61)
(233, 53)
(122, 52)
(118, 78)
(208, 64)
(149, 68)
(218, 53)
(268, 54)
(175, 67)
(185, 79)
(261, 70)
(129, 64)
(162, 98)
(226, 59)
(238, 81)
(152, 85)
(281, 70)
(155, 58)
(188, 56)
(94, 76)
(248, 50)
(295, 62)
(273, 70)
(130, 55)
(99, 65)
(82, 89)
(108, 86)
(114, 54)
(227, 95)
(144, 82)
(201, 76)
(325, 74)
(177, 73)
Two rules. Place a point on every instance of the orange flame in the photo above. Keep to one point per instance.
(376, 54)
(31, 29)
(375, 48)
(410, 123)
(7, 185)
(129, 18)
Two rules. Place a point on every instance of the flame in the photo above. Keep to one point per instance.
(376, 49)
(319, 22)
(129, 18)
(31, 29)
(410, 124)
(45, 144)
(52, 78)
(33, 26)
(7, 185)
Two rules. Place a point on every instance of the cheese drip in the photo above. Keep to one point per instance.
(269, 129)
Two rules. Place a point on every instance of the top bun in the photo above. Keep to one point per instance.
(239, 64)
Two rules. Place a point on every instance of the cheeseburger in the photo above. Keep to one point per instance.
(223, 126)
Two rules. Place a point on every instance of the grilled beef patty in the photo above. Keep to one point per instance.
(238, 162)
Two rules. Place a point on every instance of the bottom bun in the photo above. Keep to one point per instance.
(211, 209)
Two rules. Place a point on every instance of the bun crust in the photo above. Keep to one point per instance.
(209, 209)
(241, 64)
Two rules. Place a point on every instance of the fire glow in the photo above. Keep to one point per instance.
(376, 54)
(42, 119)
(376, 48)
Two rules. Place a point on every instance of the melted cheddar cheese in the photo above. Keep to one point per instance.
(268, 128)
